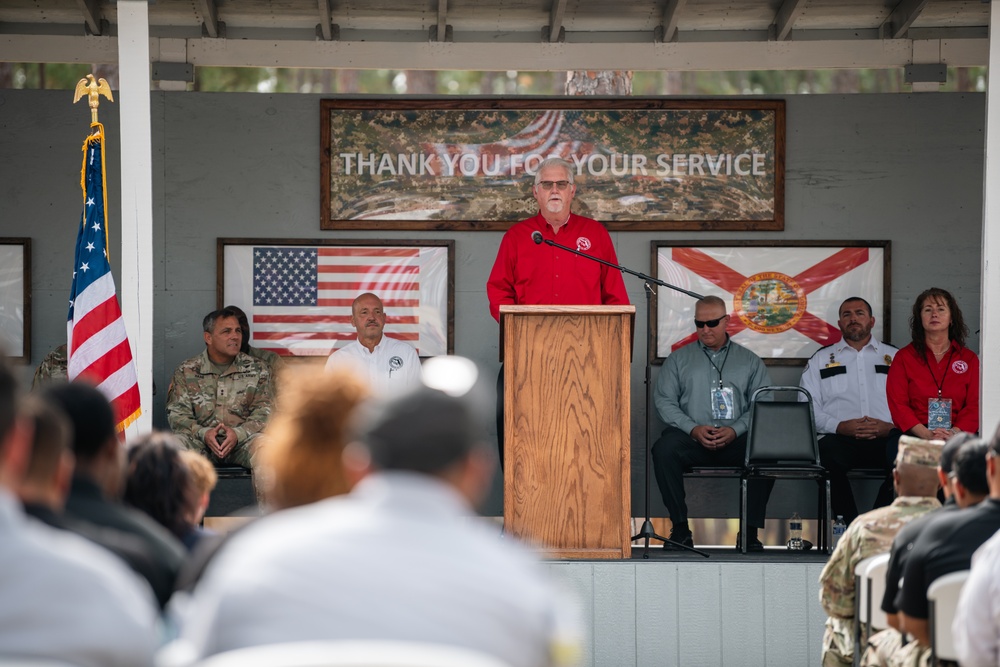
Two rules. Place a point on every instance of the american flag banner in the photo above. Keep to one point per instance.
(97, 343)
(298, 298)
(783, 300)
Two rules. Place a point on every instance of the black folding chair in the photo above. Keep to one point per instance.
(781, 444)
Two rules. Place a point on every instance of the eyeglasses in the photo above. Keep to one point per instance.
(711, 324)
(548, 185)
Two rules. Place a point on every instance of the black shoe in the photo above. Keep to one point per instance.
(753, 545)
(684, 538)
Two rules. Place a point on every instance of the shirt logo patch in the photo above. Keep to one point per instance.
(959, 366)
(583, 244)
(395, 363)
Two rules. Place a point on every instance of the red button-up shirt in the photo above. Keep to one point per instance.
(911, 383)
(526, 273)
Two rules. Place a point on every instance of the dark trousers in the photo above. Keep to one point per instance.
(840, 454)
(677, 452)
(500, 415)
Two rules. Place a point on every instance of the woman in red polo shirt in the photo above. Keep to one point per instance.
(933, 383)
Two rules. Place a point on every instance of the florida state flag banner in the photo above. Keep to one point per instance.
(783, 298)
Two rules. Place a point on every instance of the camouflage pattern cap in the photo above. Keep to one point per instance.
(916, 451)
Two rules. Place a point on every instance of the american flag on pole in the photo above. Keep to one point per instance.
(97, 344)
(782, 300)
(298, 298)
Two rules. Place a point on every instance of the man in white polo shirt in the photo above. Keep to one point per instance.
(847, 384)
(389, 364)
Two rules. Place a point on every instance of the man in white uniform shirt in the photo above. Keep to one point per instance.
(847, 384)
(389, 364)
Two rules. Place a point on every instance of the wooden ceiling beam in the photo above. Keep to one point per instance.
(667, 30)
(556, 33)
(325, 26)
(91, 10)
(209, 17)
(902, 17)
(784, 20)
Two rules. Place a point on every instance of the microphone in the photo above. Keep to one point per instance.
(536, 236)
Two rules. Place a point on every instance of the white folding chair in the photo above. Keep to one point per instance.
(875, 576)
(943, 596)
(862, 599)
(353, 653)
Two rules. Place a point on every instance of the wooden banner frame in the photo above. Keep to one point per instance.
(15, 304)
(448, 325)
(673, 313)
(644, 164)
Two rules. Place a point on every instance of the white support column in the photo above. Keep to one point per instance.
(137, 197)
(989, 339)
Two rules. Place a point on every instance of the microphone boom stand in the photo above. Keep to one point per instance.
(646, 532)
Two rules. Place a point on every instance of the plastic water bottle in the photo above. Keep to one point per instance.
(795, 532)
(838, 530)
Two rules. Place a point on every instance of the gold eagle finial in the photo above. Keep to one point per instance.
(93, 89)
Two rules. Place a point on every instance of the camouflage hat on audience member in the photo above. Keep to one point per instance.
(916, 451)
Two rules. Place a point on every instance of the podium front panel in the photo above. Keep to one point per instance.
(567, 429)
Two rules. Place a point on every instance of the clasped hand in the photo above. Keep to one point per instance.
(713, 437)
(220, 440)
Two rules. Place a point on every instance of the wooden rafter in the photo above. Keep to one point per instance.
(91, 10)
(325, 20)
(902, 17)
(556, 19)
(786, 17)
(668, 21)
(209, 17)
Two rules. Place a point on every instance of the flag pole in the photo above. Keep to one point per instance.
(97, 344)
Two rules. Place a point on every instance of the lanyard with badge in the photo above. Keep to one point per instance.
(939, 409)
(722, 397)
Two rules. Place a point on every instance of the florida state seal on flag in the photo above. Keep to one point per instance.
(782, 298)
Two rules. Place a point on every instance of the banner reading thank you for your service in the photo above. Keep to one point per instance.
(468, 165)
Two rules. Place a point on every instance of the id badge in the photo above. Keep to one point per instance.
(722, 403)
(938, 413)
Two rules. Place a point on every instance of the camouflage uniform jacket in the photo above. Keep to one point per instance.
(199, 398)
(270, 358)
(52, 368)
(869, 534)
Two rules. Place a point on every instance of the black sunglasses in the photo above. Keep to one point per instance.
(711, 324)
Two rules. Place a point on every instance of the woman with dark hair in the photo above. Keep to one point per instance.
(159, 483)
(933, 383)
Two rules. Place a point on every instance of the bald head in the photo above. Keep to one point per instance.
(368, 318)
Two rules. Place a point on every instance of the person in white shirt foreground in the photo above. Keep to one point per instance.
(62, 597)
(976, 628)
(400, 557)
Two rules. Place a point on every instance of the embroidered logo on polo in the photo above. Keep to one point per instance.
(583, 244)
(959, 366)
(395, 363)
(770, 302)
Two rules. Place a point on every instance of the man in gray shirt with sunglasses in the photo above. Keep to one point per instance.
(703, 395)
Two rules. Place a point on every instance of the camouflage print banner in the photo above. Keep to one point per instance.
(638, 164)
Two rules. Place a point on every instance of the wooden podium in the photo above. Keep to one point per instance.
(567, 428)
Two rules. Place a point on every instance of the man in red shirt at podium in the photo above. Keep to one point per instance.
(530, 272)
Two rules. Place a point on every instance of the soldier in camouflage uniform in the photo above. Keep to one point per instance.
(52, 369)
(268, 357)
(220, 400)
(916, 482)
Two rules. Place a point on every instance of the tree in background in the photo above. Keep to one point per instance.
(61, 76)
